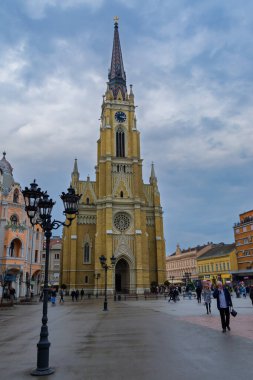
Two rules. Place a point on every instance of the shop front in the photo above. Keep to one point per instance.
(245, 276)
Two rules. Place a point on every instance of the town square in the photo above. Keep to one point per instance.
(135, 339)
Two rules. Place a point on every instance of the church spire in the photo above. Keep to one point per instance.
(117, 75)
(75, 173)
(152, 178)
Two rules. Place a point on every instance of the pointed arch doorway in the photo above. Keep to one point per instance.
(122, 277)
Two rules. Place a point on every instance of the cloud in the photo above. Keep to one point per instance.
(39, 8)
(191, 67)
(54, 114)
(12, 64)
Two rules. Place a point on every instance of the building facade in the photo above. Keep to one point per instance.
(243, 232)
(54, 261)
(182, 264)
(218, 263)
(20, 243)
(119, 215)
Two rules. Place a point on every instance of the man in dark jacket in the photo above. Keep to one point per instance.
(198, 292)
(224, 302)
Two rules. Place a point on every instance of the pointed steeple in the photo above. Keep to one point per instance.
(117, 75)
(75, 173)
(152, 178)
(75, 170)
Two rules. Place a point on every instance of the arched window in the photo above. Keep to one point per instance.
(121, 194)
(120, 143)
(86, 279)
(14, 220)
(87, 201)
(86, 258)
(15, 248)
(11, 250)
(15, 196)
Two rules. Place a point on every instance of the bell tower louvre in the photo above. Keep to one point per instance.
(119, 215)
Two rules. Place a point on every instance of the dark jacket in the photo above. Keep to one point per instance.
(227, 297)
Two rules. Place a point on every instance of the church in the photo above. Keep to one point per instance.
(119, 216)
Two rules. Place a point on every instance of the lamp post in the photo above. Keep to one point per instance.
(28, 281)
(106, 267)
(39, 208)
(97, 276)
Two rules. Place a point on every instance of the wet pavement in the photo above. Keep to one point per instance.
(144, 339)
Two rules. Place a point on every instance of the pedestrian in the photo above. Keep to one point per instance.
(61, 296)
(198, 292)
(207, 296)
(82, 293)
(251, 294)
(12, 292)
(53, 296)
(237, 291)
(73, 295)
(171, 294)
(77, 294)
(224, 303)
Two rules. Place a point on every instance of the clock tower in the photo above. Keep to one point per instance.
(119, 215)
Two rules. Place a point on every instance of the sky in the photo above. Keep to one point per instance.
(190, 63)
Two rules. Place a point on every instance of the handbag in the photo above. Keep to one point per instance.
(233, 313)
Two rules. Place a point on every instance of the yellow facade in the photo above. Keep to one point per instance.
(218, 266)
(119, 215)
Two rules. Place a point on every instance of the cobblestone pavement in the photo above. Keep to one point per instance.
(191, 311)
(150, 339)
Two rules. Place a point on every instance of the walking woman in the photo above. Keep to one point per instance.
(207, 295)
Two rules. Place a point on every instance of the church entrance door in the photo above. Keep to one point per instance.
(122, 277)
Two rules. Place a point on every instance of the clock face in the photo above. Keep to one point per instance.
(120, 116)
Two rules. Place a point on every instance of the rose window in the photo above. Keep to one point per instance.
(122, 221)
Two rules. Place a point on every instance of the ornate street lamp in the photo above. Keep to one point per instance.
(106, 267)
(39, 207)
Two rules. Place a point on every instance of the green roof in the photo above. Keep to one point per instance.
(217, 251)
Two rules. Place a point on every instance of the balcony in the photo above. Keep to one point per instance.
(247, 220)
